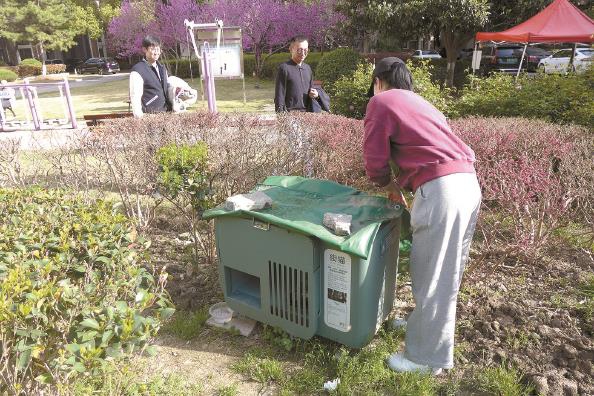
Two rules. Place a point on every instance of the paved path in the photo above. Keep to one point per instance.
(86, 80)
(44, 139)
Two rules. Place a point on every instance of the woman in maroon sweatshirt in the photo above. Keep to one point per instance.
(404, 131)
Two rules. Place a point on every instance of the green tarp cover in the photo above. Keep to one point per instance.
(299, 204)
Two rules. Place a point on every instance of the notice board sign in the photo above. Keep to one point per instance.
(227, 59)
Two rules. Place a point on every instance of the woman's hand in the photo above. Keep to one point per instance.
(395, 194)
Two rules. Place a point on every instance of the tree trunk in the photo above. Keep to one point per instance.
(259, 63)
(43, 59)
(453, 42)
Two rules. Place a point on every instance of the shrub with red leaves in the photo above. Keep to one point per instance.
(337, 147)
(533, 174)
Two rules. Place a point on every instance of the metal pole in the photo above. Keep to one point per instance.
(37, 106)
(521, 61)
(23, 97)
(571, 58)
(31, 105)
(243, 83)
(2, 116)
(474, 55)
(69, 103)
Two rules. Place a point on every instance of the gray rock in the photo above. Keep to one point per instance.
(570, 388)
(496, 326)
(568, 351)
(541, 384)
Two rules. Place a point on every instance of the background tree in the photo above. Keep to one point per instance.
(46, 23)
(456, 21)
(91, 17)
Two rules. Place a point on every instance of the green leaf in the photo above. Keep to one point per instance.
(108, 335)
(114, 351)
(24, 359)
(167, 312)
(91, 323)
(151, 350)
(43, 379)
(140, 296)
(104, 260)
(121, 306)
(73, 348)
(78, 366)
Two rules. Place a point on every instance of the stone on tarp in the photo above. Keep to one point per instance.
(340, 224)
(252, 201)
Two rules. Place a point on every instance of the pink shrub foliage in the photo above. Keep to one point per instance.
(532, 177)
(535, 176)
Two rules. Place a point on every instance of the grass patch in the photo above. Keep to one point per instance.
(228, 390)
(260, 369)
(125, 380)
(577, 236)
(501, 381)
(586, 306)
(186, 325)
(112, 97)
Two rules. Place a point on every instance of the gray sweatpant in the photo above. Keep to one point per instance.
(443, 218)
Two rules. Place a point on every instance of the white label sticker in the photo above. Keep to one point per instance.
(337, 290)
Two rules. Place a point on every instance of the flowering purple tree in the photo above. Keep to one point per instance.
(127, 30)
(268, 25)
(139, 18)
(169, 22)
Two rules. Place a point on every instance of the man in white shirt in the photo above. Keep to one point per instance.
(148, 81)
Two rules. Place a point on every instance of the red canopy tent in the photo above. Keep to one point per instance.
(559, 22)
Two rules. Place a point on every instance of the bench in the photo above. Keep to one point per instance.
(97, 119)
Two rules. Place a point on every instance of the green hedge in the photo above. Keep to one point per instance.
(74, 288)
(183, 68)
(273, 61)
(337, 63)
(8, 75)
(439, 70)
(349, 97)
(30, 62)
(564, 99)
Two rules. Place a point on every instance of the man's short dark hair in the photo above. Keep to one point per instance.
(297, 39)
(150, 41)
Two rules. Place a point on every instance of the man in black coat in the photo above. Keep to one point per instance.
(294, 89)
(148, 81)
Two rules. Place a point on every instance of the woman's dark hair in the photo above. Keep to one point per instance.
(150, 41)
(398, 77)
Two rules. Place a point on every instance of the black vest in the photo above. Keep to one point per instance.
(154, 98)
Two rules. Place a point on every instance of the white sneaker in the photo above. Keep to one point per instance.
(397, 324)
(399, 363)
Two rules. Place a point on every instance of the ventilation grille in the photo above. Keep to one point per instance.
(289, 293)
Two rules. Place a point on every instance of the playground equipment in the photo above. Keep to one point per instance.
(221, 61)
(33, 118)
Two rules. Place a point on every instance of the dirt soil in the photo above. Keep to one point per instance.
(509, 310)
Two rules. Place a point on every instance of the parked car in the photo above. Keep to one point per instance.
(72, 64)
(426, 54)
(559, 61)
(99, 65)
(506, 59)
(54, 62)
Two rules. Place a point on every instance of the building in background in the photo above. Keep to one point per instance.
(12, 53)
